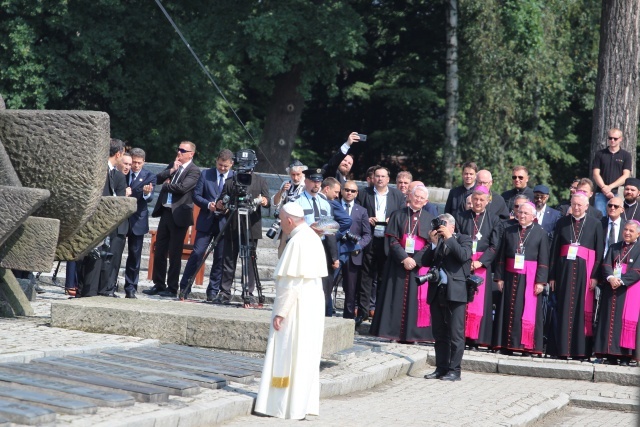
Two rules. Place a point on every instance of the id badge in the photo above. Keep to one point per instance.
(474, 246)
(410, 245)
(617, 271)
(573, 252)
(169, 198)
(378, 231)
(518, 262)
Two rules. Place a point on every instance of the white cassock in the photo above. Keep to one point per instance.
(290, 383)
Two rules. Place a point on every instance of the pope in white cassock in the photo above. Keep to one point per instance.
(290, 383)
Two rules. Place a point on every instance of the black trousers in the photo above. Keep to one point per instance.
(132, 268)
(169, 242)
(88, 271)
(349, 282)
(372, 266)
(199, 248)
(230, 258)
(109, 280)
(448, 331)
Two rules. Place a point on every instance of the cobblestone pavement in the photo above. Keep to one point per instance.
(478, 400)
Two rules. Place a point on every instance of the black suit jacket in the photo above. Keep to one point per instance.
(258, 187)
(360, 227)
(116, 184)
(139, 221)
(182, 190)
(367, 199)
(605, 229)
(456, 263)
(331, 168)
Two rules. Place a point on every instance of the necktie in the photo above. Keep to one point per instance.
(316, 211)
(220, 183)
(612, 233)
(133, 178)
(349, 209)
(176, 175)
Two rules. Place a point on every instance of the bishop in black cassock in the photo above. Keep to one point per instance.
(576, 252)
(519, 322)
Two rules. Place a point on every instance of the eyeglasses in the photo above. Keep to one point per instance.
(540, 196)
(516, 206)
(182, 150)
(611, 205)
(349, 190)
(485, 183)
(514, 177)
(613, 138)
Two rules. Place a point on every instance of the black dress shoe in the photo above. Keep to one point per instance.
(359, 319)
(167, 293)
(451, 376)
(130, 295)
(210, 298)
(153, 291)
(435, 375)
(221, 299)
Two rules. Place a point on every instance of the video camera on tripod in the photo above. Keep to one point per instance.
(239, 198)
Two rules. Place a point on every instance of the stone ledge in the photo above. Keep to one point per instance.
(608, 403)
(621, 375)
(534, 369)
(201, 325)
(539, 411)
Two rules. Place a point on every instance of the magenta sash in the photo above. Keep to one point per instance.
(630, 314)
(424, 312)
(475, 309)
(530, 300)
(589, 255)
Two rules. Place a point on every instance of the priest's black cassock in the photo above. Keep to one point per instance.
(575, 301)
(609, 339)
(402, 312)
(519, 321)
(489, 228)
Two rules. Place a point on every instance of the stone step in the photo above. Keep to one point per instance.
(193, 324)
(22, 413)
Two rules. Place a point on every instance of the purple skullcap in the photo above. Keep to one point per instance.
(531, 204)
(481, 189)
(636, 222)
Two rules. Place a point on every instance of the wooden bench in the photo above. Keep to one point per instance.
(187, 248)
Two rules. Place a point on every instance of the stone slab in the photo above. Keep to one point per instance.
(12, 294)
(16, 204)
(109, 213)
(476, 363)
(620, 375)
(51, 137)
(29, 288)
(48, 401)
(32, 246)
(252, 367)
(21, 413)
(199, 325)
(607, 403)
(215, 355)
(8, 175)
(92, 395)
(582, 372)
(138, 392)
(170, 385)
(201, 378)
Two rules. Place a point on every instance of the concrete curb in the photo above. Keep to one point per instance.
(608, 403)
(538, 411)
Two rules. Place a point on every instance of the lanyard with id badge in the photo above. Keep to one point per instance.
(410, 242)
(572, 252)
(617, 268)
(518, 258)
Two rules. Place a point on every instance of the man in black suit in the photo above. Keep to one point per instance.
(175, 209)
(380, 201)
(520, 178)
(257, 188)
(209, 224)
(456, 201)
(448, 299)
(140, 186)
(94, 271)
(613, 223)
(351, 253)
(340, 164)
(545, 216)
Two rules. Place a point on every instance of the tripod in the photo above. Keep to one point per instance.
(247, 255)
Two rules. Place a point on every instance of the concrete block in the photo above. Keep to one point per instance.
(198, 325)
(64, 152)
(549, 370)
(32, 246)
(621, 375)
(606, 403)
(29, 288)
(110, 212)
(13, 295)
(471, 362)
(16, 204)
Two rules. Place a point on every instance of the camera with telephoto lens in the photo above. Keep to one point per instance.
(473, 283)
(350, 237)
(102, 251)
(437, 222)
(432, 276)
(272, 232)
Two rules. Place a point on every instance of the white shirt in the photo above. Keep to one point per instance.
(540, 214)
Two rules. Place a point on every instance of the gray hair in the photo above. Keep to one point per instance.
(138, 152)
(449, 218)
(521, 196)
(421, 188)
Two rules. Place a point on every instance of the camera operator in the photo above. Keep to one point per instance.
(257, 189)
(450, 254)
(288, 191)
(402, 313)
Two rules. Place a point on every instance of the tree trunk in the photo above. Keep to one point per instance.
(451, 126)
(281, 124)
(617, 87)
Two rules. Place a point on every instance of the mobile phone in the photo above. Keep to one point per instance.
(362, 136)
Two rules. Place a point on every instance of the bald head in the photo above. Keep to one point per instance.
(615, 208)
(484, 178)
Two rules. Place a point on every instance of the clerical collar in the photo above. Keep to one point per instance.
(630, 204)
(581, 218)
(415, 210)
(472, 185)
(525, 226)
(478, 213)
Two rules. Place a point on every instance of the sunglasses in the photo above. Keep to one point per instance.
(611, 205)
(514, 177)
(182, 150)
(613, 138)
(349, 190)
(516, 207)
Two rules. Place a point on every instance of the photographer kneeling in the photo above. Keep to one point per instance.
(449, 255)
